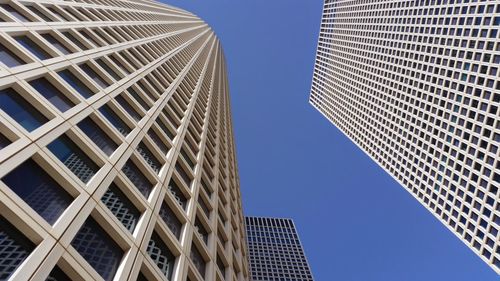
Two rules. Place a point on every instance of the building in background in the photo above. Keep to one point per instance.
(117, 157)
(415, 84)
(274, 250)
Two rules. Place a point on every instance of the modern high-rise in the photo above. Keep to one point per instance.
(274, 250)
(415, 84)
(117, 159)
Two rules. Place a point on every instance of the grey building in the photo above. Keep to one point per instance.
(274, 250)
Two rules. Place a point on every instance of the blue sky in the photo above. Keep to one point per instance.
(354, 220)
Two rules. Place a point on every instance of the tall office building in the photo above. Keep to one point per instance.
(274, 250)
(117, 158)
(415, 84)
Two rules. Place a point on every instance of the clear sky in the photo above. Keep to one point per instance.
(354, 220)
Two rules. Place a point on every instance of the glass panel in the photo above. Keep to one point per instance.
(73, 158)
(197, 260)
(121, 207)
(183, 174)
(57, 275)
(177, 194)
(138, 98)
(42, 193)
(161, 255)
(58, 45)
(98, 249)
(20, 110)
(115, 120)
(78, 85)
(128, 108)
(14, 248)
(4, 141)
(14, 12)
(137, 178)
(8, 58)
(201, 231)
(96, 77)
(149, 157)
(97, 135)
(156, 139)
(74, 40)
(52, 94)
(108, 69)
(171, 220)
(31, 46)
(38, 13)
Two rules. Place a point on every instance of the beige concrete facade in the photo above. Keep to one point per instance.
(117, 159)
(415, 84)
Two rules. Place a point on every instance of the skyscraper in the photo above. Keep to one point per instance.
(415, 84)
(117, 157)
(275, 251)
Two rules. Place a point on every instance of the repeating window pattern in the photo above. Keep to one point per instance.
(274, 250)
(416, 85)
(116, 116)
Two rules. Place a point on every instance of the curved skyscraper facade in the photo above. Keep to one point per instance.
(117, 159)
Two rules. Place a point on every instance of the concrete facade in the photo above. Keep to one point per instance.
(415, 84)
(117, 159)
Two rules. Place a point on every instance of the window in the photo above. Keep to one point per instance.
(20, 110)
(137, 178)
(161, 255)
(177, 194)
(42, 193)
(121, 207)
(74, 82)
(98, 249)
(57, 275)
(149, 157)
(74, 40)
(58, 45)
(96, 77)
(198, 260)
(114, 120)
(14, 247)
(97, 135)
(14, 12)
(171, 220)
(74, 158)
(8, 58)
(52, 94)
(108, 69)
(38, 13)
(4, 141)
(31, 46)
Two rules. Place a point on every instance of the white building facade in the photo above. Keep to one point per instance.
(117, 159)
(415, 84)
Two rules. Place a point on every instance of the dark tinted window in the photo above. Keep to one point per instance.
(42, 193)
(114, 119)
(14, 248)
(58, 45)
(52, 94)
(97, 135)
(78, 85)
(8, 58)
(73, 158)
(31, 46)
(98, 249)
(20, 110)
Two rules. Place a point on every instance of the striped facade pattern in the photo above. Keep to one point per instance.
(117, 159)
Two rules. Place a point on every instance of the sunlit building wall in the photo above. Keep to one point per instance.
(117, 159)
(415, 84)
